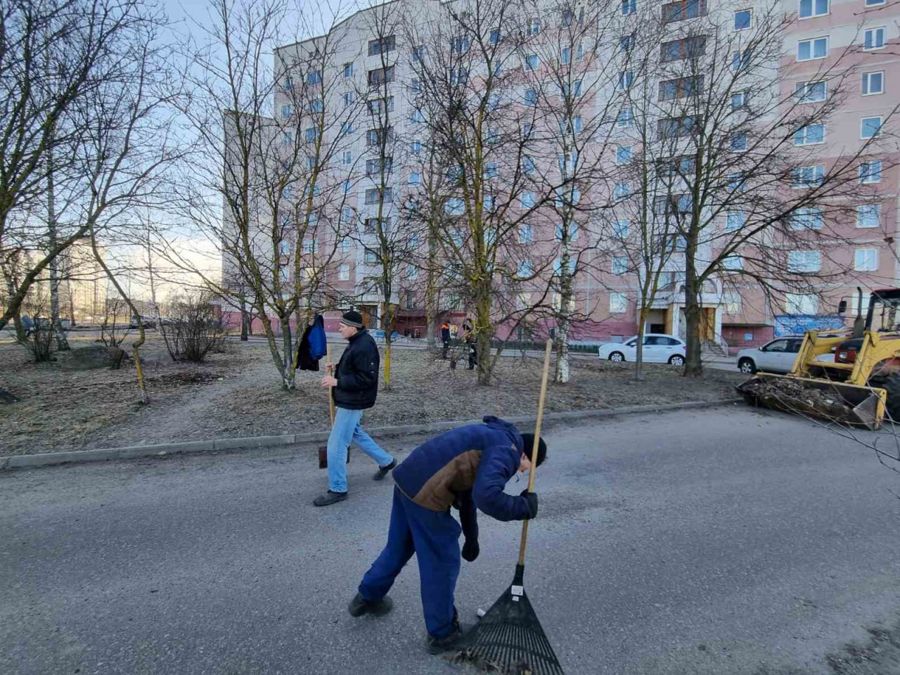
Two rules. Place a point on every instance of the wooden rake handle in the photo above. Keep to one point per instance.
(330, 394)
(534, 449)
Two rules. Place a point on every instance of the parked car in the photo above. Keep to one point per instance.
(776, 356)
(145, 321)
(658, 348)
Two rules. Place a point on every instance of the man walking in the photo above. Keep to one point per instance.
(445, 339)
(354, 387)
(467, 468)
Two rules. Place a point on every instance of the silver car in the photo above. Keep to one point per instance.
(776, 356)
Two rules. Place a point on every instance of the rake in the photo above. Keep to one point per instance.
(509, 637)
(323, 449)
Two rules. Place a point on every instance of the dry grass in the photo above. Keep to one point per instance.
(237, 393)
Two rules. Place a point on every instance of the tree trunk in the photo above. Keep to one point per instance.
(639, 354)
(61, 343)
(245, 321)
(483, 333)
(288, 370)
(562, 349)
(387, 321)
(431, 290)
(693, 365)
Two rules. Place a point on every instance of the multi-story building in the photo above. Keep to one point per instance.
(367, 82)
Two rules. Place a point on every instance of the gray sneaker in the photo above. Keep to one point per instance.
(330, 498)
(384, 470)
(359, 606)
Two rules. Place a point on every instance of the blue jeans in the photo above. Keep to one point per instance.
(346, 429)
(434, 537)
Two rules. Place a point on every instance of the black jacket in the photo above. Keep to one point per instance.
(357, 373)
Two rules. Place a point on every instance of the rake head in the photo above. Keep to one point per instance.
(509, 639)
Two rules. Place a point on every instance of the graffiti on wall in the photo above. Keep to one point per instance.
(797, 324)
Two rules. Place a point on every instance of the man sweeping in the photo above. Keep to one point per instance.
(467, 468)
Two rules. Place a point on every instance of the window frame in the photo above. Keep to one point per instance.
(812, 41)
(876, 133)
(747, 10)
(864, 84)
(874, 30)
(866, 250)
(813, 14)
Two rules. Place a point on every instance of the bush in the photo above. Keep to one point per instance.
(193, 328)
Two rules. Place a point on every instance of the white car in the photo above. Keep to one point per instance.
(658, 348)
(776, 356)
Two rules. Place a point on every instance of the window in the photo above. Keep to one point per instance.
(348, 97)
(807, 218)
(311, 134)
(620, 228)
(347, 186)
(625, 117)
(629, 7)
(346, 128)
(379, 136)
(418, 53)
(416, 116)
(415, 147)
(344, 272)
(285, 247)
(621, 190)
(865, 260)
(347, 158)
(733, 263)
(348, 69)
(684, 9)
(454, 206)
(371, 257)
(569, 233)
(673, 127)
(618, 304)
(735, 220)
(527, 199)
(494, 37)
(377, 106)
(490, 170)
(873, 38)
(526, 269)
(738, 101)
(738, 141)
(740, 60)
(460, 44)
(807, 176)
(868, 215)
(534, 26)
(811, 134)
(626, 43)
(309, 246)
(874, 3)
(626, 77)
(810, 8)
(732, 302)
(804, 262)
(565, 56)
(528, 165)
(815, 48)
(532, 62)
(872, 83)
(680, 87)
(676, 50)
(415, 178)
(382, 45)
(623, 154)
(737, 181)
(316, 105)
(869, 127)
(373, 194)
(619, 265)
(287, 110)
(374, 166)
(314, 77)
(530, 97)
(870, 172)
(381, 76)
(800, 303)
(742, 19)
(811, 92)
(346, 214)
(526, 234)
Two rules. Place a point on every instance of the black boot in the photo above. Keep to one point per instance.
(359, 606)
(448, 642)
(330, 498)
(384, 470)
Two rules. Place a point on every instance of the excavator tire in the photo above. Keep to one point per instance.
(891, 384)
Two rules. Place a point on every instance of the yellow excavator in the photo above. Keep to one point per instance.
(860, 386)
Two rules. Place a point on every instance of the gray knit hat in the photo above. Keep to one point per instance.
(352, 318)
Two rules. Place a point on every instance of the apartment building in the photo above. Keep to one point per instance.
(368, 84)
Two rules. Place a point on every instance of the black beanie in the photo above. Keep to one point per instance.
(528, 446)
(352, 318)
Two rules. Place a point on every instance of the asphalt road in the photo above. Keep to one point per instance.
(720, 541)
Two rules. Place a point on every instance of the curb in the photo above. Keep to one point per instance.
(258, 442)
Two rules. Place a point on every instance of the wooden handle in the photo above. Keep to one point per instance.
(330, 393)
(534, 448)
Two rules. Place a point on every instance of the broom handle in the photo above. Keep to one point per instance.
(534, 450)
(328, 370)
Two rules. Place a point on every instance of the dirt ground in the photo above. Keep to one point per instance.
(237, 393)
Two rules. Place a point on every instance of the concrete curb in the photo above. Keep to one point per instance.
(318, 437)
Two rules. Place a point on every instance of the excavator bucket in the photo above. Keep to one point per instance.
(824, 399)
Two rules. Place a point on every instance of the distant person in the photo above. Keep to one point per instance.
(467, 468)
(445, 339)
(471, 343)
(354, 387)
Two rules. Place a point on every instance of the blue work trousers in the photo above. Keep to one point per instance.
(434, 537)
(347, 430)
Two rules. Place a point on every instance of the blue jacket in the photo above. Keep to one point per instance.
(467, 467)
